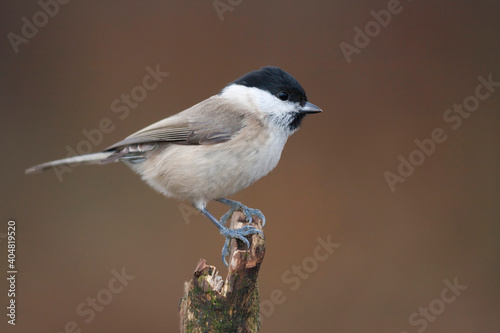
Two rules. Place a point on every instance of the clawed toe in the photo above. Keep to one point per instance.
(252, 211)
(240, 234)
(248, 212)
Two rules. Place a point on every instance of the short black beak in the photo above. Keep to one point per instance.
(310, 108)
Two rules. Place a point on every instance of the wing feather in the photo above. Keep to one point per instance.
(209, 122)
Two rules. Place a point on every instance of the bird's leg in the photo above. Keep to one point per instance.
(229, 234)
(235, 205)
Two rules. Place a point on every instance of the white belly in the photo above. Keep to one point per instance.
(202, 173)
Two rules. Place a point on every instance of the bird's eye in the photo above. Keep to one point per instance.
(283, 95)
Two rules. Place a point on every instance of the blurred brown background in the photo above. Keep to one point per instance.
(396, 248)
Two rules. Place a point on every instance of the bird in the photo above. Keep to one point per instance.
(216, 147)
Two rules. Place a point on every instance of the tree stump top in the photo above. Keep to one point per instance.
(211, 304)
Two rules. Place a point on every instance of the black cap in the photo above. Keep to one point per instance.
(276, 81)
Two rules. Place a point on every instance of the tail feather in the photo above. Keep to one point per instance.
(85, 159)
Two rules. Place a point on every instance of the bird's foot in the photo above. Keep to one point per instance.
(240, 234)
(235, 205)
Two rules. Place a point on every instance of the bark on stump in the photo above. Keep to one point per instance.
(211, 304)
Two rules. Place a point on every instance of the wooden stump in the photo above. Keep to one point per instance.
(211, 304)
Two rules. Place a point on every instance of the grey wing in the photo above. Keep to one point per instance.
(172, 129)
(209, 122)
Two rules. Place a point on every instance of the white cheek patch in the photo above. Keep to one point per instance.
(263, 100)
(271, 104)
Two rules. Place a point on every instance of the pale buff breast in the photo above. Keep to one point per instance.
(202, 173)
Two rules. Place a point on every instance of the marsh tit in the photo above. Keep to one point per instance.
(216, 147)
